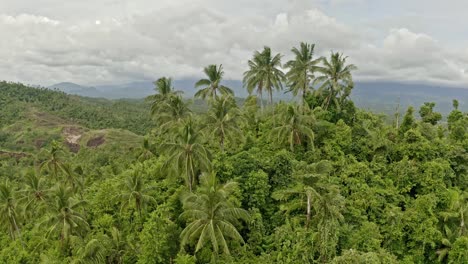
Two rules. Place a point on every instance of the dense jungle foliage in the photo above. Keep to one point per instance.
(312, 181)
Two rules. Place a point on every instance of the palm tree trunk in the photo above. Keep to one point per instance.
(271, 96)
(303, 99)
(18, 232)
(308, 210)
(306, 83)
(138, 206)
(261, 99)
(221, 143)
(271, 104)
(188, 171)
(462, 224)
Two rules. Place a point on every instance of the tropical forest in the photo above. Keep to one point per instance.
(224, 179)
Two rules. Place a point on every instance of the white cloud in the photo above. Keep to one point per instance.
(409, 56)
(25, 19)
(133, 41)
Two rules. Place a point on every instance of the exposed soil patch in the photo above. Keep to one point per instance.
(16, 155)
(39, 143)
(72, 138)
(95, 142)
(72, 134)
(73, 147)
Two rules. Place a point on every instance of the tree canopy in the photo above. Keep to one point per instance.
(311, 180)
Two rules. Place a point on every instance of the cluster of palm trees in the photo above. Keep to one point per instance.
(333, 77)
(53, 194)
(211, 216)
(184, 139)
(60, 209)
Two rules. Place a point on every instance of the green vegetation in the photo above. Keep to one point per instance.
(319, 181)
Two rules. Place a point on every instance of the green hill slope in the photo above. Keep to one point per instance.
(16, 101)
(30, 118)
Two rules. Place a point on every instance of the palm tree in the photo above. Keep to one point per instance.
(328, 215)
(222, 120)
(458, 210)
(186, 154)
(264, 74)
(117, 246)
(34, 194)
(308, 187)
(336, 80)
(301, 70)
(101, 248)
(135, 192)
(211, 85)
(173, 112)
(63, 217)
(8, 213)
(211, 215)
(146, 151)
(308, 192)
(92, 251)
(294, 127)
(164, 91)
(447, 243)
(53, 163)
(71, 177)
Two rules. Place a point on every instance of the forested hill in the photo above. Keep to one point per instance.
(312, 180)
(17, 100)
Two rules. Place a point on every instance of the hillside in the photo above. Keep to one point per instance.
(95, 113)
(30, 119)
(86, 189)
(36, 129)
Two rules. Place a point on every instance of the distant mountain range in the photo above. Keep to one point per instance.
(377, 96)
(136, 90)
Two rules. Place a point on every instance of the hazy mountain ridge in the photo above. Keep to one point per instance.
(374, 95)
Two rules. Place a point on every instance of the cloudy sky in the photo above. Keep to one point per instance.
(94, 42)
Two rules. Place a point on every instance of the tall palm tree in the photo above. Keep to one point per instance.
(264, 74)
(135, 192)
(328, 215)
(212, 84)
(63, 217)
(186, 153)
(294, 127)
(34, 194)
(336, 80)
(173, 112)
(165, 90)
(301, 70)
(146, 150)
(92, 251)
(101, 248)
(457, 211)
(222, 120)
(8, 213)
(71, 177)
(447, 243)
(117, 246)
(308, 186)
(53, 163)
(211, 216)
(308, 192)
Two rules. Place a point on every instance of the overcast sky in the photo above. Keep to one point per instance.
(94, 42)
